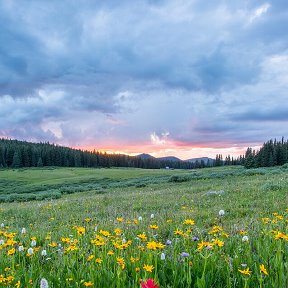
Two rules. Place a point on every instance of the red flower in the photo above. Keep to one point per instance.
(149, 284)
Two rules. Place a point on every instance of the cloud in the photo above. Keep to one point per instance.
(120, 73)
(260, 11)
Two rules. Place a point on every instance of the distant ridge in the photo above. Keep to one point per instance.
(205, 159)
(173, 158)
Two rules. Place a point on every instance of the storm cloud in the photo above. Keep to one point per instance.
(145, 76)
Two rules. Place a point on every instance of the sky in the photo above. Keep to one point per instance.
(188, 78)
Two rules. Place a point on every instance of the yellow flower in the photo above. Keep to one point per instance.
(203, 244)
(120, 261)
(53, 244)
(133, 260)
(245, 271)
(88, 220)
(90, 257)
(218, 243)
(178, 232)
(142, 236)
(152, 245)
(98, 260)
(18, 284)
(65, 240)
(154, 226)
(118, 231)
(263, 269)
(148, 268)
(11, 251)
(80, 230)
(88, 284)
(119, 219)
(189, 222)
(104, 233)
(137, 269)
(110, 253)
(215, 229)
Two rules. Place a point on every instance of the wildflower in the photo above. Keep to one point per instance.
(189, 222)
(120, 219)
(118, 231)
(110, 253)
(162, 257)
(218, 243)
(152, 245)
(168, 242)
(184, 254)
(152, 216)
(21, 248)
(2, 242)
(245, 271)
(140, 218)
(195, 238)
(90, 257)
(44, 253)
(98, 260)
(120, 261)
(2, 225)
(23, 231)
(149, 284)
(245, 238)
(88, 284)
(137, 269)
(154, 226)
(178, 232)
(33, 243)
(221, 212)
(148, 268)
(263, 269)
(142, 236)
(11, 251)
(44, 283)
(87, 220)
(30, 251)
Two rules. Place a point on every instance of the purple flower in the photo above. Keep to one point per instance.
(185, 254)
(195, 238)
(168, 242)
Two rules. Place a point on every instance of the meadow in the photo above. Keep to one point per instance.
(78, 227)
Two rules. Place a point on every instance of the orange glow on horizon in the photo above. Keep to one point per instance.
(183, 152)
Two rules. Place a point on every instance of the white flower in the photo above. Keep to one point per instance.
(140, 218)
(30, 251)
(33, 243)
(2, 225)
(44, 253)
(95, 229)
(2, 241)
(21, 248)
(124, 241)
(245, 238)
(152, 216)
(162, 257)
(44, 283)
(23, 231)
(221, 212)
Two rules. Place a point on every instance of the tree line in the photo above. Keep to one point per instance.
(272, 153)
(19, 154)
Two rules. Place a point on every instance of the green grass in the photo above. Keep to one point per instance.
(101, 195)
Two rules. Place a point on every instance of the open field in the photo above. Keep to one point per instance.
(98, 231)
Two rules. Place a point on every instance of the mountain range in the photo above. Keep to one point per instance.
(173, 158)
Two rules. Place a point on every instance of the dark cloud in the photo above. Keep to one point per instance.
(119, 71)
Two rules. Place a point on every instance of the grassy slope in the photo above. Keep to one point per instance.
(244, 196)
(248, 196)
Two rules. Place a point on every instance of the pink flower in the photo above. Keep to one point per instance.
(149, 284)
